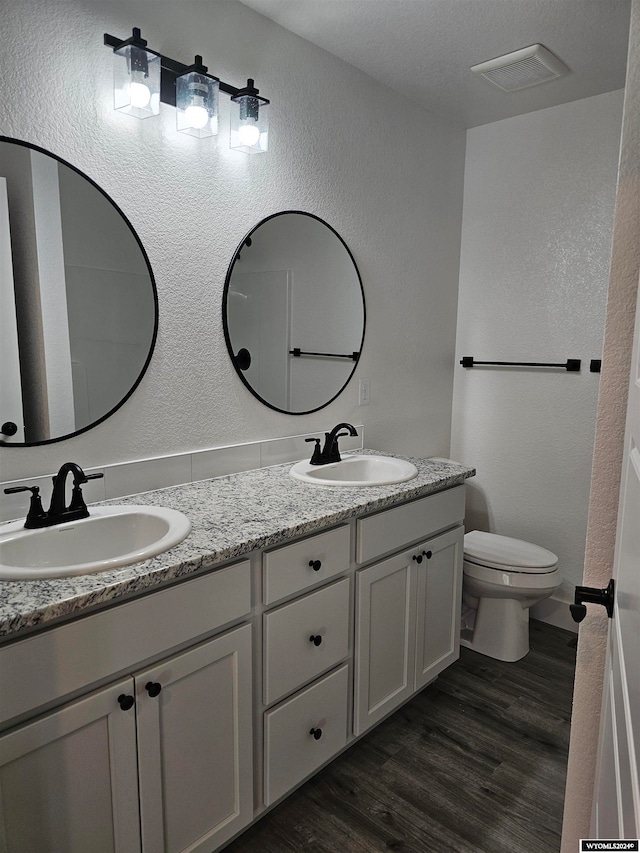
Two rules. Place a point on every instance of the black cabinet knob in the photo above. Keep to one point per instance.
(316, 565)
(428, 554)
(316, 733)
(417, 558)
(316, 639)
(9, 428)
(153, 688)
(126, 702)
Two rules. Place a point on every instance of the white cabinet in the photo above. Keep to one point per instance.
(291, 569)
(305, 638)
(438, 603)
(345, 626)
(304, 732)
(160, 760)
(68, 781)
(407, 624)
(393, 529)
(384, 643)
(195, 753)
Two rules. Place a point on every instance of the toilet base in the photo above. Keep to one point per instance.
(501, 629)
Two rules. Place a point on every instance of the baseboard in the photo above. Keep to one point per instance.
(556, 612)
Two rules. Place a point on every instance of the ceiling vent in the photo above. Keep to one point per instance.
(522, 68)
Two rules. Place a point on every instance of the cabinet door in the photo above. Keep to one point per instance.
(385, 639)
(68, 781)
(438, 612)
(195, 746)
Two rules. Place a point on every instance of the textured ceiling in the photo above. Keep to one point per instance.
(424, 48)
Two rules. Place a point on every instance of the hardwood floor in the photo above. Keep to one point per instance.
(476, 762)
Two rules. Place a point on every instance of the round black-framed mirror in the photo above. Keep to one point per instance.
(294, 312)
(77, 295)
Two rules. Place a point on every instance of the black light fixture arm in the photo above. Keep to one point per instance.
(171, 69)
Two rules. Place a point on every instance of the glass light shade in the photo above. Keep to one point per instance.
(136, 81)
(197, 104)
(249, 124)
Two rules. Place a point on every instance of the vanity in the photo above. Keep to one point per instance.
(164, 706)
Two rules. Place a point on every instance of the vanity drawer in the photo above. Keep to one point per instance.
(294, 568)
(291, 750)
(392, 529)
(291, 657)
(55, 663)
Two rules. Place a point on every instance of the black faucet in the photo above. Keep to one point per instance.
(58, 510)
(330, 452)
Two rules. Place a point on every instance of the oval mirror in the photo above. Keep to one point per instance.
(294, 312)
(78, 302)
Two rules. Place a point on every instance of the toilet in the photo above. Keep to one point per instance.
(503, 578)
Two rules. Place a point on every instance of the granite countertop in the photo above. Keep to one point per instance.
(230, 516)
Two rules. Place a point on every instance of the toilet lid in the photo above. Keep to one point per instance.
(503, 552)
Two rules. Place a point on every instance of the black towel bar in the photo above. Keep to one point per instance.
(297, 352)
(572, 364)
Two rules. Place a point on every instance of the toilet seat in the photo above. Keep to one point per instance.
(505, 554)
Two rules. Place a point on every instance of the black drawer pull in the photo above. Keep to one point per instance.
(417, 558)
(316, 639)
(153, 688)
(316, 565)
(125, 701)
(316, 733)
(428, 554)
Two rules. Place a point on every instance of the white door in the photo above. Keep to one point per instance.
(616, 809)
(10, 385)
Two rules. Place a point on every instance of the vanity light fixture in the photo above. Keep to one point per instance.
(136, 77)
(197, 101)
(249, 127)
(143, 78)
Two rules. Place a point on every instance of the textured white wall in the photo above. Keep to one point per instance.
(536, 244)
(384, 173)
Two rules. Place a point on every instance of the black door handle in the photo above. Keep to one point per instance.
(591, 595)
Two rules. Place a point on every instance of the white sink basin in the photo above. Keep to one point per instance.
(354, 471)
(110, 537)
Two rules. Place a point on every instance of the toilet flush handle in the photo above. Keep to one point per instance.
(591, 595)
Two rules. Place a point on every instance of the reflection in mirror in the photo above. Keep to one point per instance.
(294, 312)
(78, 304)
